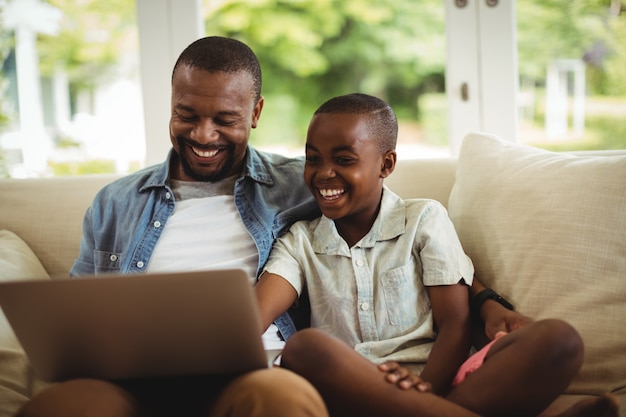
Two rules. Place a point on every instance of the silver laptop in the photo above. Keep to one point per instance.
(137, 326)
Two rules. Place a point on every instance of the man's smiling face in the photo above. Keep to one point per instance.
(212, 115)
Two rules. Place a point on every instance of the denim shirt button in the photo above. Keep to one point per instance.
(140, 264)
(157, 224)
(168, 195)
(113, 258)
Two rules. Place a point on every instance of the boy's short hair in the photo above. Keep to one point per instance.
(381, 118)
(219, 54)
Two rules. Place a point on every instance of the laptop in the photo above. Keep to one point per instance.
(137, 326)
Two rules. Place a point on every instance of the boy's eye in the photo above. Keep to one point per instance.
(311, 159)
(343, 160)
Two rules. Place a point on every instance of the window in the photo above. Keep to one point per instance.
(549, 74)
(70, 90)
(571, 65)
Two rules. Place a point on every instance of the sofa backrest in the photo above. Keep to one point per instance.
(47, 213)
(423, 178)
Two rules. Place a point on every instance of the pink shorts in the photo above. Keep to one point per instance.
(474, 362)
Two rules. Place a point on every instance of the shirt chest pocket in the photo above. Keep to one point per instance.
(107, 261)
(403, 294)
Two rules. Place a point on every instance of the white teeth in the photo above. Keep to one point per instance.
(329, 193)
(205, 154)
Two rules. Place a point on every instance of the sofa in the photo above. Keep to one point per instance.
(546, 230)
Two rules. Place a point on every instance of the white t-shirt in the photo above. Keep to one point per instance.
(204, 232)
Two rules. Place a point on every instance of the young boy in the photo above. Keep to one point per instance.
(387, 281)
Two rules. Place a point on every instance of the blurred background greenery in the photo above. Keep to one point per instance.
(311, 50)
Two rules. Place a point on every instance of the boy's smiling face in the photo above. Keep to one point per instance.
(344, 169)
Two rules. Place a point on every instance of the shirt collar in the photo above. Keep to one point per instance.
(254, 168)
(389, 224)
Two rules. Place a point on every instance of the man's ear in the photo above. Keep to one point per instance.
(389, 164)
(256, 112)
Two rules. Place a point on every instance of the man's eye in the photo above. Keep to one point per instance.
(223, 122)
(185, 118)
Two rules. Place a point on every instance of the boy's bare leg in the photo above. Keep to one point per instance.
(524, 371)
(351, 385)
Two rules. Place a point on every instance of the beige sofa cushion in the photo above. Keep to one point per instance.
(548, 231)
(17, 382)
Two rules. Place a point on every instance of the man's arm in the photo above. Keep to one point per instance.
(274, 295)
(452, 320)
(84, 264)
(494, 315)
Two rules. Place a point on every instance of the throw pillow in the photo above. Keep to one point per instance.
(548, 231)
(17, 382)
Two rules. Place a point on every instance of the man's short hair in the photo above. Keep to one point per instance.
(381, 119)
(219, 54)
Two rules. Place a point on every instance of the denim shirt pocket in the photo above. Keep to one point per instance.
(107, 261)
(400, 291)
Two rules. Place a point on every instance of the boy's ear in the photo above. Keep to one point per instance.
(389, 164)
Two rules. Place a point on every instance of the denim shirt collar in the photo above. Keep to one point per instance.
(253, 168)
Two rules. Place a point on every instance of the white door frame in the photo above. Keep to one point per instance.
(481, 69)
(166, 27)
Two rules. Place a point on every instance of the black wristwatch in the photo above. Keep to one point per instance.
(488, 294)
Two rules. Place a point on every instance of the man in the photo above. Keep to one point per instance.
(215, 202)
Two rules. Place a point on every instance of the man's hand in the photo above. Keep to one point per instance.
(403, 378)
(499, 319)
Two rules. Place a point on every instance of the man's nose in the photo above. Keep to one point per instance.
(205, 132)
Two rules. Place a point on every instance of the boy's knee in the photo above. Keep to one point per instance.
(272, 392)
(561, 341)
(303, 347)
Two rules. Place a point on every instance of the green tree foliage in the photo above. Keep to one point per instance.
(316, 49)
(93, 36)
(592, 30)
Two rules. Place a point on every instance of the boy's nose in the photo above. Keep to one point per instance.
(326, 171)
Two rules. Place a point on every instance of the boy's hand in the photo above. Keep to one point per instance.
(403, 378)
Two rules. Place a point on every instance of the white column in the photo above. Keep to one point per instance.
(556, 101)
(35, 142)
(579, 100)
(166, 27)
(27, 18)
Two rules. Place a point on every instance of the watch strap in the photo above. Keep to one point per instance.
(488, 294)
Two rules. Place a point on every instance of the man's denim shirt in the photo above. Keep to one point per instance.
(126, 218)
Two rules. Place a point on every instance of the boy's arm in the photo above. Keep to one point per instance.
(274, 296)
(452, 321)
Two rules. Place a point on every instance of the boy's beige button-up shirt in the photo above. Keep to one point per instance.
(373, 295)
